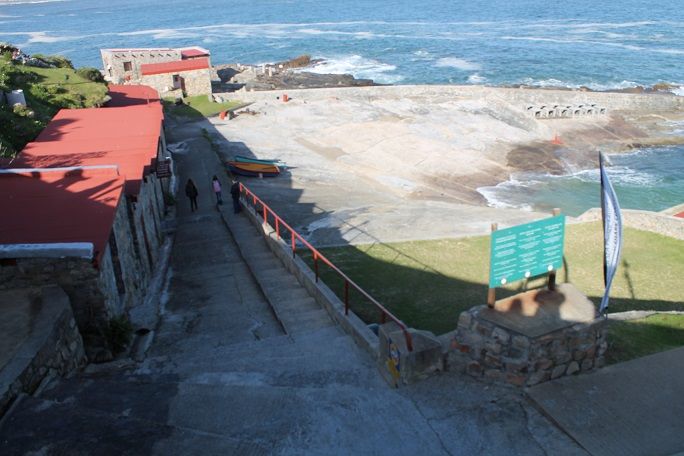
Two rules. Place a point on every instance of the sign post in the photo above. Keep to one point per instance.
(612, 233)
(525, 251)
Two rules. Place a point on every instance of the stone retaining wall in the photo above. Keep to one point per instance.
(499, 354)
(53, 347)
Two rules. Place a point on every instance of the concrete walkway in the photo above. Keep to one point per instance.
(224, 377)
(634, 408)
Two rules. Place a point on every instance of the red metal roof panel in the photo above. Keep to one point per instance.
(178, 66)
(131, 95)
(56, 205)
(194, 52)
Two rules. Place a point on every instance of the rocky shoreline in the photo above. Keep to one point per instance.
(291, 74)
(287, 75)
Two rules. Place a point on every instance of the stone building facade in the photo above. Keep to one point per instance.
(183, 71)
(180, 83)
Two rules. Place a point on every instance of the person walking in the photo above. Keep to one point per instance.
(216, 185)
(235, 194)
(191, 192)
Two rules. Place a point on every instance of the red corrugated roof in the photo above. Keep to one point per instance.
(127, 137)
(148, 69)
(194, 52)
(53, 205)
(131, 95)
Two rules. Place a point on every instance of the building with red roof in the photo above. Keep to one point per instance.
(83, 201)
(83, 205)
(131, 95)
(172, 72)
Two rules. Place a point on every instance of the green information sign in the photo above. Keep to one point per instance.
(526, 250)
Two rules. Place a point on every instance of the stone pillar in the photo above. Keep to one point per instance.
(398, 365)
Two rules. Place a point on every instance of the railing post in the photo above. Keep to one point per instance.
(346, 297)
(315, 258)
(409, 340)
(293, 243)
(265, 213)
(383, 317)
(277, 227)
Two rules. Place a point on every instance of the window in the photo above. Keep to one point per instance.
(128, 66)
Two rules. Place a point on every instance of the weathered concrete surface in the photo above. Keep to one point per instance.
(381, 164)
(222, 378)
(628, 409)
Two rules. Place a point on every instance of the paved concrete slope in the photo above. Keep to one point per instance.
(223, 378)
(632, 408)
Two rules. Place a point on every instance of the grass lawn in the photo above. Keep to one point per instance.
(198, 106)
(428, 283)
(637, 338)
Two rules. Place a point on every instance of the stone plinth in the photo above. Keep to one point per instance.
(398, 365)
(532, 337)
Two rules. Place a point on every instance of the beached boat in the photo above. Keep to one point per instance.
(243, 159)
(253, 169)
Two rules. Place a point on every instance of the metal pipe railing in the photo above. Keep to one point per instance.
(279, 223)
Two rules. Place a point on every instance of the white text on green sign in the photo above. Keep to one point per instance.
(526, 250)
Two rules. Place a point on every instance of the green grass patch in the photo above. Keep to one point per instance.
(198, 106)
(428, 284)
(637, 338)
(47, 90)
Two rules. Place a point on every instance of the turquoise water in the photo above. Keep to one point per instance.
(651, 179)
(601, 45)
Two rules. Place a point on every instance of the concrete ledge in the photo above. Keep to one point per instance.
(656, 222)
(52, 345)
(323, 295)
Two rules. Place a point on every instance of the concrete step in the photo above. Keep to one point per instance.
(296, 305)
(302, 322)
(285, 298)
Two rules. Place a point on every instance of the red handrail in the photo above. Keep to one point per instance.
(294, 236)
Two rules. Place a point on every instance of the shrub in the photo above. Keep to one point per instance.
(119, 333)
(91, 74)
(54, 60)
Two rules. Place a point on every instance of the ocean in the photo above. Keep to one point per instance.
(600, 45)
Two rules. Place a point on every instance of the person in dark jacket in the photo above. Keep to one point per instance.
(191, 192)
(235, 194)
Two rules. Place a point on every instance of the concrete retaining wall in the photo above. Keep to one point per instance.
(53, 347)
(517, 97)
(656, 222)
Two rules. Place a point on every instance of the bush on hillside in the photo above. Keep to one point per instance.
(54, 60)
(91, 74)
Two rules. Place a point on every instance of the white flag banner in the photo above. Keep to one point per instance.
(612, 232)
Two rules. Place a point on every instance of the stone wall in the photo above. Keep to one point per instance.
(197, 82)
(114, 61)
(500, 354)
(76, 276)
(53, 347)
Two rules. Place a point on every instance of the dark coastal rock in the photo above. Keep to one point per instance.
(306, 80)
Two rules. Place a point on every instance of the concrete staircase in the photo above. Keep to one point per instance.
(297, 311)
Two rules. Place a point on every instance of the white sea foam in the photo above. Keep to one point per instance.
(679, 91)
(26, 2)
(358, 66)
(475, 78)
(460, 64)
(499, 195)
(552, 82)
(44, 37)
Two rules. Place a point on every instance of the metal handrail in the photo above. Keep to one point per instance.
(294, 236)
